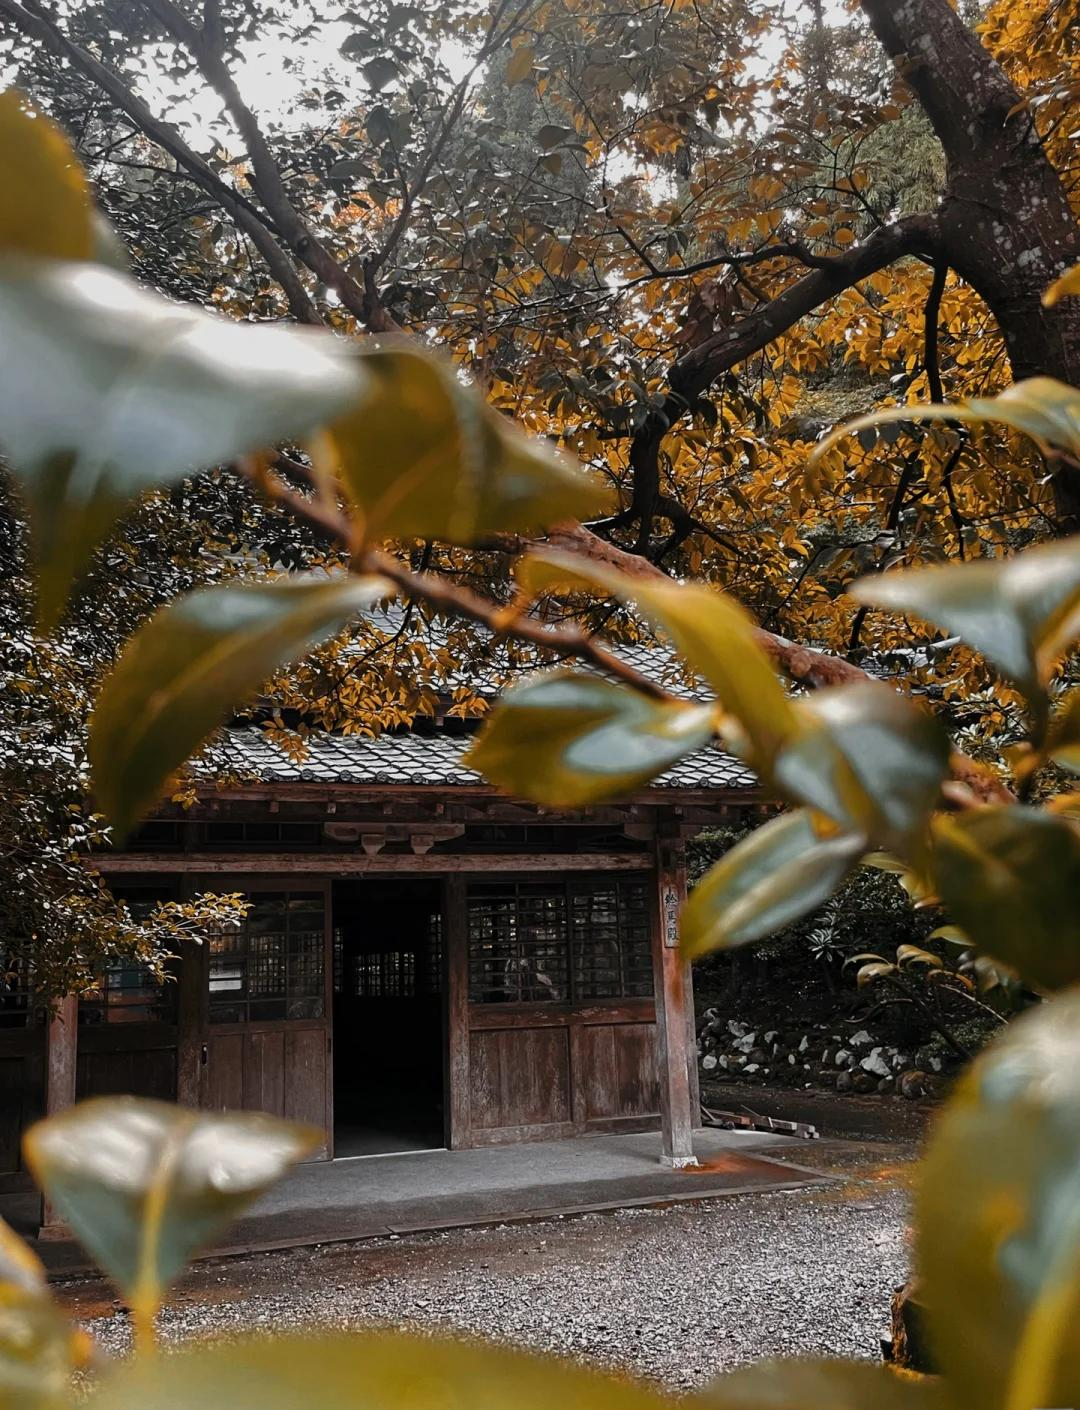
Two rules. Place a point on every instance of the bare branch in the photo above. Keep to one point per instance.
(33, 21)
(266, 176)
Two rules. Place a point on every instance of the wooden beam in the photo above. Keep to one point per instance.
(287, 790)
(673, 996)
(357, 863)
(61, 1058)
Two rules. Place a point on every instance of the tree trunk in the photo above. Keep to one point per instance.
(1005, 222)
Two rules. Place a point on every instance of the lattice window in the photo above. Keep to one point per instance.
(559, 942)
(518, 943)
(610, 941)
(273, 965)
(16, 990)
(127, 991)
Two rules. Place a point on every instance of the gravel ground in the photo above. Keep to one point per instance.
(676, 1294)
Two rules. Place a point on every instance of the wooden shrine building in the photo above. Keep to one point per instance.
(425, 963)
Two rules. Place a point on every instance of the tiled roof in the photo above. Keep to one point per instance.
(423, 760)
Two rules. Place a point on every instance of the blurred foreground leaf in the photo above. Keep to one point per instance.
(45, 206)
(423, 456)
(144, 1185)
(1064, 742)
(367, 1371)
(1041, 407)
(784, 869)
(711, 632)
(108, 390)
(869, 759)
(192, 664)
(1019, 612)
(1010, 878)
(998, 1220)
(39, 1347)
(566, 739)
(1067, 286)
(817, 1385)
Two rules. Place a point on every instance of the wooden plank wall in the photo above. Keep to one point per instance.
(544, 1071)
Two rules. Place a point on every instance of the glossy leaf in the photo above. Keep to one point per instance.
(107, 390)
(425, 457)
(39, 1347)
(1019, 612)
(565, 739)
(711, 632)
(45, 206)
(817, 1385)
(144, 1185)
(1041, 407)
(783, 870)
(871, 973)
(1067, 286)
(917, 956)
(1010, 878)
(869, 759)
(367, 1371)
(998, 1220)
(192, 664)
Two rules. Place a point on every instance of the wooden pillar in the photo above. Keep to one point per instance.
(679, 1106)
(456, 962)
(61, 1055)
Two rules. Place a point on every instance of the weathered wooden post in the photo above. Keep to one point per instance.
(61, 1055)
(679, 1103)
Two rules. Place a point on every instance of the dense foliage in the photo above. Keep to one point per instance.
(109, 391)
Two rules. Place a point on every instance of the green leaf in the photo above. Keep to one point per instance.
(144, 1185)
(107, 390)
(520, 65)
(817, 1385)
(869, 759)
(1019, 612)
(1041, 407)
(566, 739)
(1010, 878)
(425, 457)
(782, 871)
(45, 206)
(39, 1347)
(195, 662)
(713, 634)
(998, 1220)
(367, 1371)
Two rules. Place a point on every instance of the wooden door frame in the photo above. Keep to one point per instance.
(451, 886)
(194, 998)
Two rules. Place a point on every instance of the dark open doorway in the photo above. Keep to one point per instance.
(389, 1038)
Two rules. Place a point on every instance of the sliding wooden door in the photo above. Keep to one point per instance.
(266, 1029)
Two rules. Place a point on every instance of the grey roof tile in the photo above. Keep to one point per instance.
(424, 761)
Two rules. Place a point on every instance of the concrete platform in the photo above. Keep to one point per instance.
(373, 1196)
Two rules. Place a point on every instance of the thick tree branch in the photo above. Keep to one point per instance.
(697, 369)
